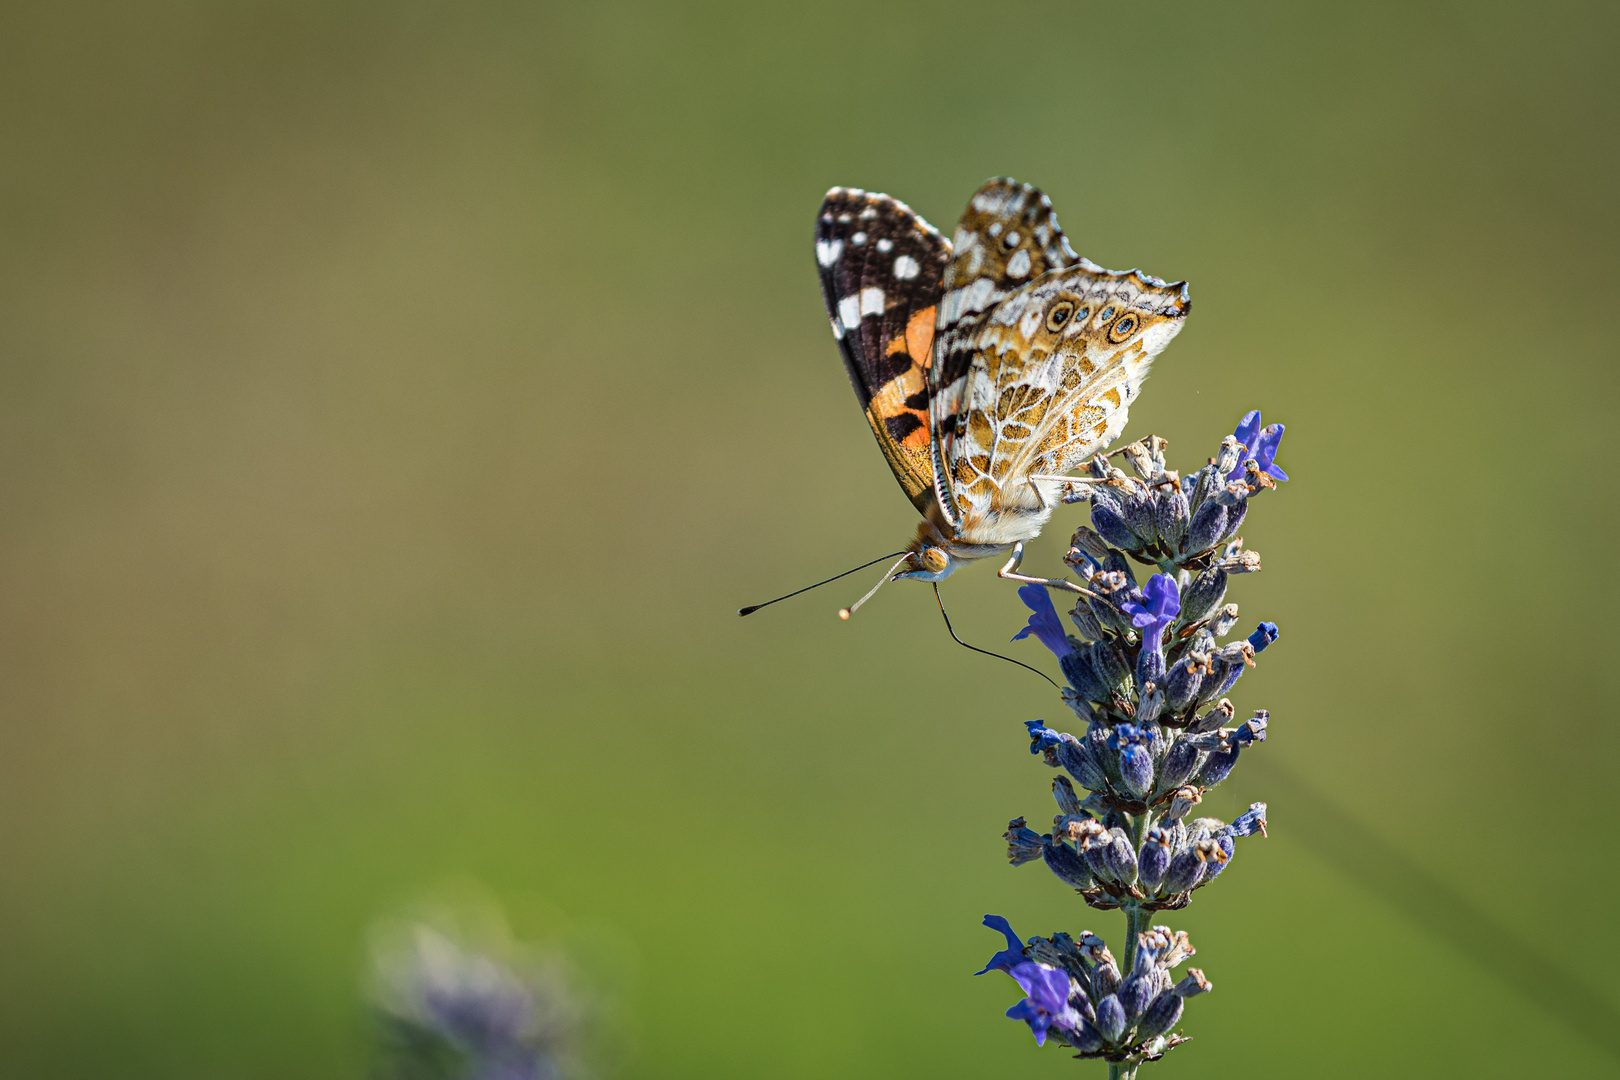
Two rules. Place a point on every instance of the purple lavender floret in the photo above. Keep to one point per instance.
(1043, 621)
(1260, 444)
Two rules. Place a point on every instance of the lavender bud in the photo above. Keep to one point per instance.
(1087, 543)
(1240, 562)
(1023, 843)
(1093, 841)
(1080, 759)
(1182, 802)
(1263, 636)
(1095, 949)
(1228, 457)
(1218, 766)
(1249, 822)
(1156, 448)
(1171, 516)
(1140, 460)
(1108, 664)
(1135, 759)
(1155, 859)
(1252, 730)
(1224, 620)
(1180, 948)
(1182, 681)
(1149, 666)
(1105, 977)
(1078, 669)
(1112, 528)
(1067, 800)
(1234, 519)
(1206, 529)
(1186, 870)
(1216, 718)
(1140, 514)
(1160, 1016)
(1193, 984)
(1086, 1039)
(1203, 596)
(1121, 858)
(1224, 850)
(1151, 705)
(1077, 704)
(1110, 1018)
(1085, 622)
(1062, 861)
(1179, 764)
(1137, 990)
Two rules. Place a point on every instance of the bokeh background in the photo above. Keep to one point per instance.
(397, 401)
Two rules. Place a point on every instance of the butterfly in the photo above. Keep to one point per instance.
(988, 365)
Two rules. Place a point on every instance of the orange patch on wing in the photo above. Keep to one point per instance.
(920, 336)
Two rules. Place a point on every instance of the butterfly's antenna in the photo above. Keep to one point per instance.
(819, 584)
(846, 612)
(986, 652)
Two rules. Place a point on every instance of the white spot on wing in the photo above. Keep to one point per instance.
(979, 295)
(871, 301)
(858, 239)
(1031, 321)
(885, 245)
(838, 330)
(849, 311)
(906, 268)
(827, 251)
(1018, 265)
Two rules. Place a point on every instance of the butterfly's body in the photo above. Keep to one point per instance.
(989, 365)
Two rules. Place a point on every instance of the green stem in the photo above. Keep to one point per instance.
(1123, 1072)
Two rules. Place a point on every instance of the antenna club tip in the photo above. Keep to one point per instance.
(843, 613)
(749, 610)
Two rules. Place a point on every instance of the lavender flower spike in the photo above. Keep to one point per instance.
(1147, 677)
(1043, 623)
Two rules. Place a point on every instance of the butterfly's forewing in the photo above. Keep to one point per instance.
(1008, 237)
(881, 266)
(1051, 373)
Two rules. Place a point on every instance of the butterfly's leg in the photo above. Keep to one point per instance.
(1010, 572)
(1075, 488)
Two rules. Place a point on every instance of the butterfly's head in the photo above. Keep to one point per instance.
(933, 557)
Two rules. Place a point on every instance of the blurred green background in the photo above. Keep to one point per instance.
(397, 400)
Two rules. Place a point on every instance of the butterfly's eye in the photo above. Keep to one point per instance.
(1122, 329)
(933, 559)
(1058, 317)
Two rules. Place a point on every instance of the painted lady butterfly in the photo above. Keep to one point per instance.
(989, 365)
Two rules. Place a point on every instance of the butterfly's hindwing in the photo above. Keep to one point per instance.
(881, 269)
(1051, 373)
